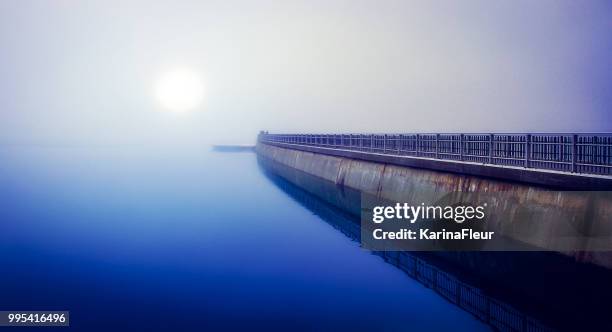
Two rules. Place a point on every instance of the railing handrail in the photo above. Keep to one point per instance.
(584, 153)
(451, 133)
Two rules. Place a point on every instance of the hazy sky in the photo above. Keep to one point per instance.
(83, 72)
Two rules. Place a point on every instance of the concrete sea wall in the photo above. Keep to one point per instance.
(545, 213)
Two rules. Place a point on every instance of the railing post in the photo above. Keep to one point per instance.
(371, 142)
(460, 146)
(490, 148)
(360, 142)
(595, 154)
(527, 150)
(417, 147)
(574, 152)
(385, 143)
(398, 142)
(437, 146)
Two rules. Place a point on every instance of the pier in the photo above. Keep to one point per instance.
(565, 161)
(547, 203)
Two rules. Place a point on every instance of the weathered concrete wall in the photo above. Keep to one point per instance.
(545, 213)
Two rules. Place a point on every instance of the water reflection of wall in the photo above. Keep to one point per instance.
(507, 290)
(562, 221)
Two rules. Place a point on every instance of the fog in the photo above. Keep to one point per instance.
(83, 72)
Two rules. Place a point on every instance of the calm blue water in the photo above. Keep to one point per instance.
(185, 239)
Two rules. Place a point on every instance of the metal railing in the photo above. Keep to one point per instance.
(575, 153)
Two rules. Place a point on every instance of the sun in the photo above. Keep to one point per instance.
(180, 90)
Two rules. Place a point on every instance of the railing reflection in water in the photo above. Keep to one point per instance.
(495, 313)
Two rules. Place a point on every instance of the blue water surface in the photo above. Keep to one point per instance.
(183, 239)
